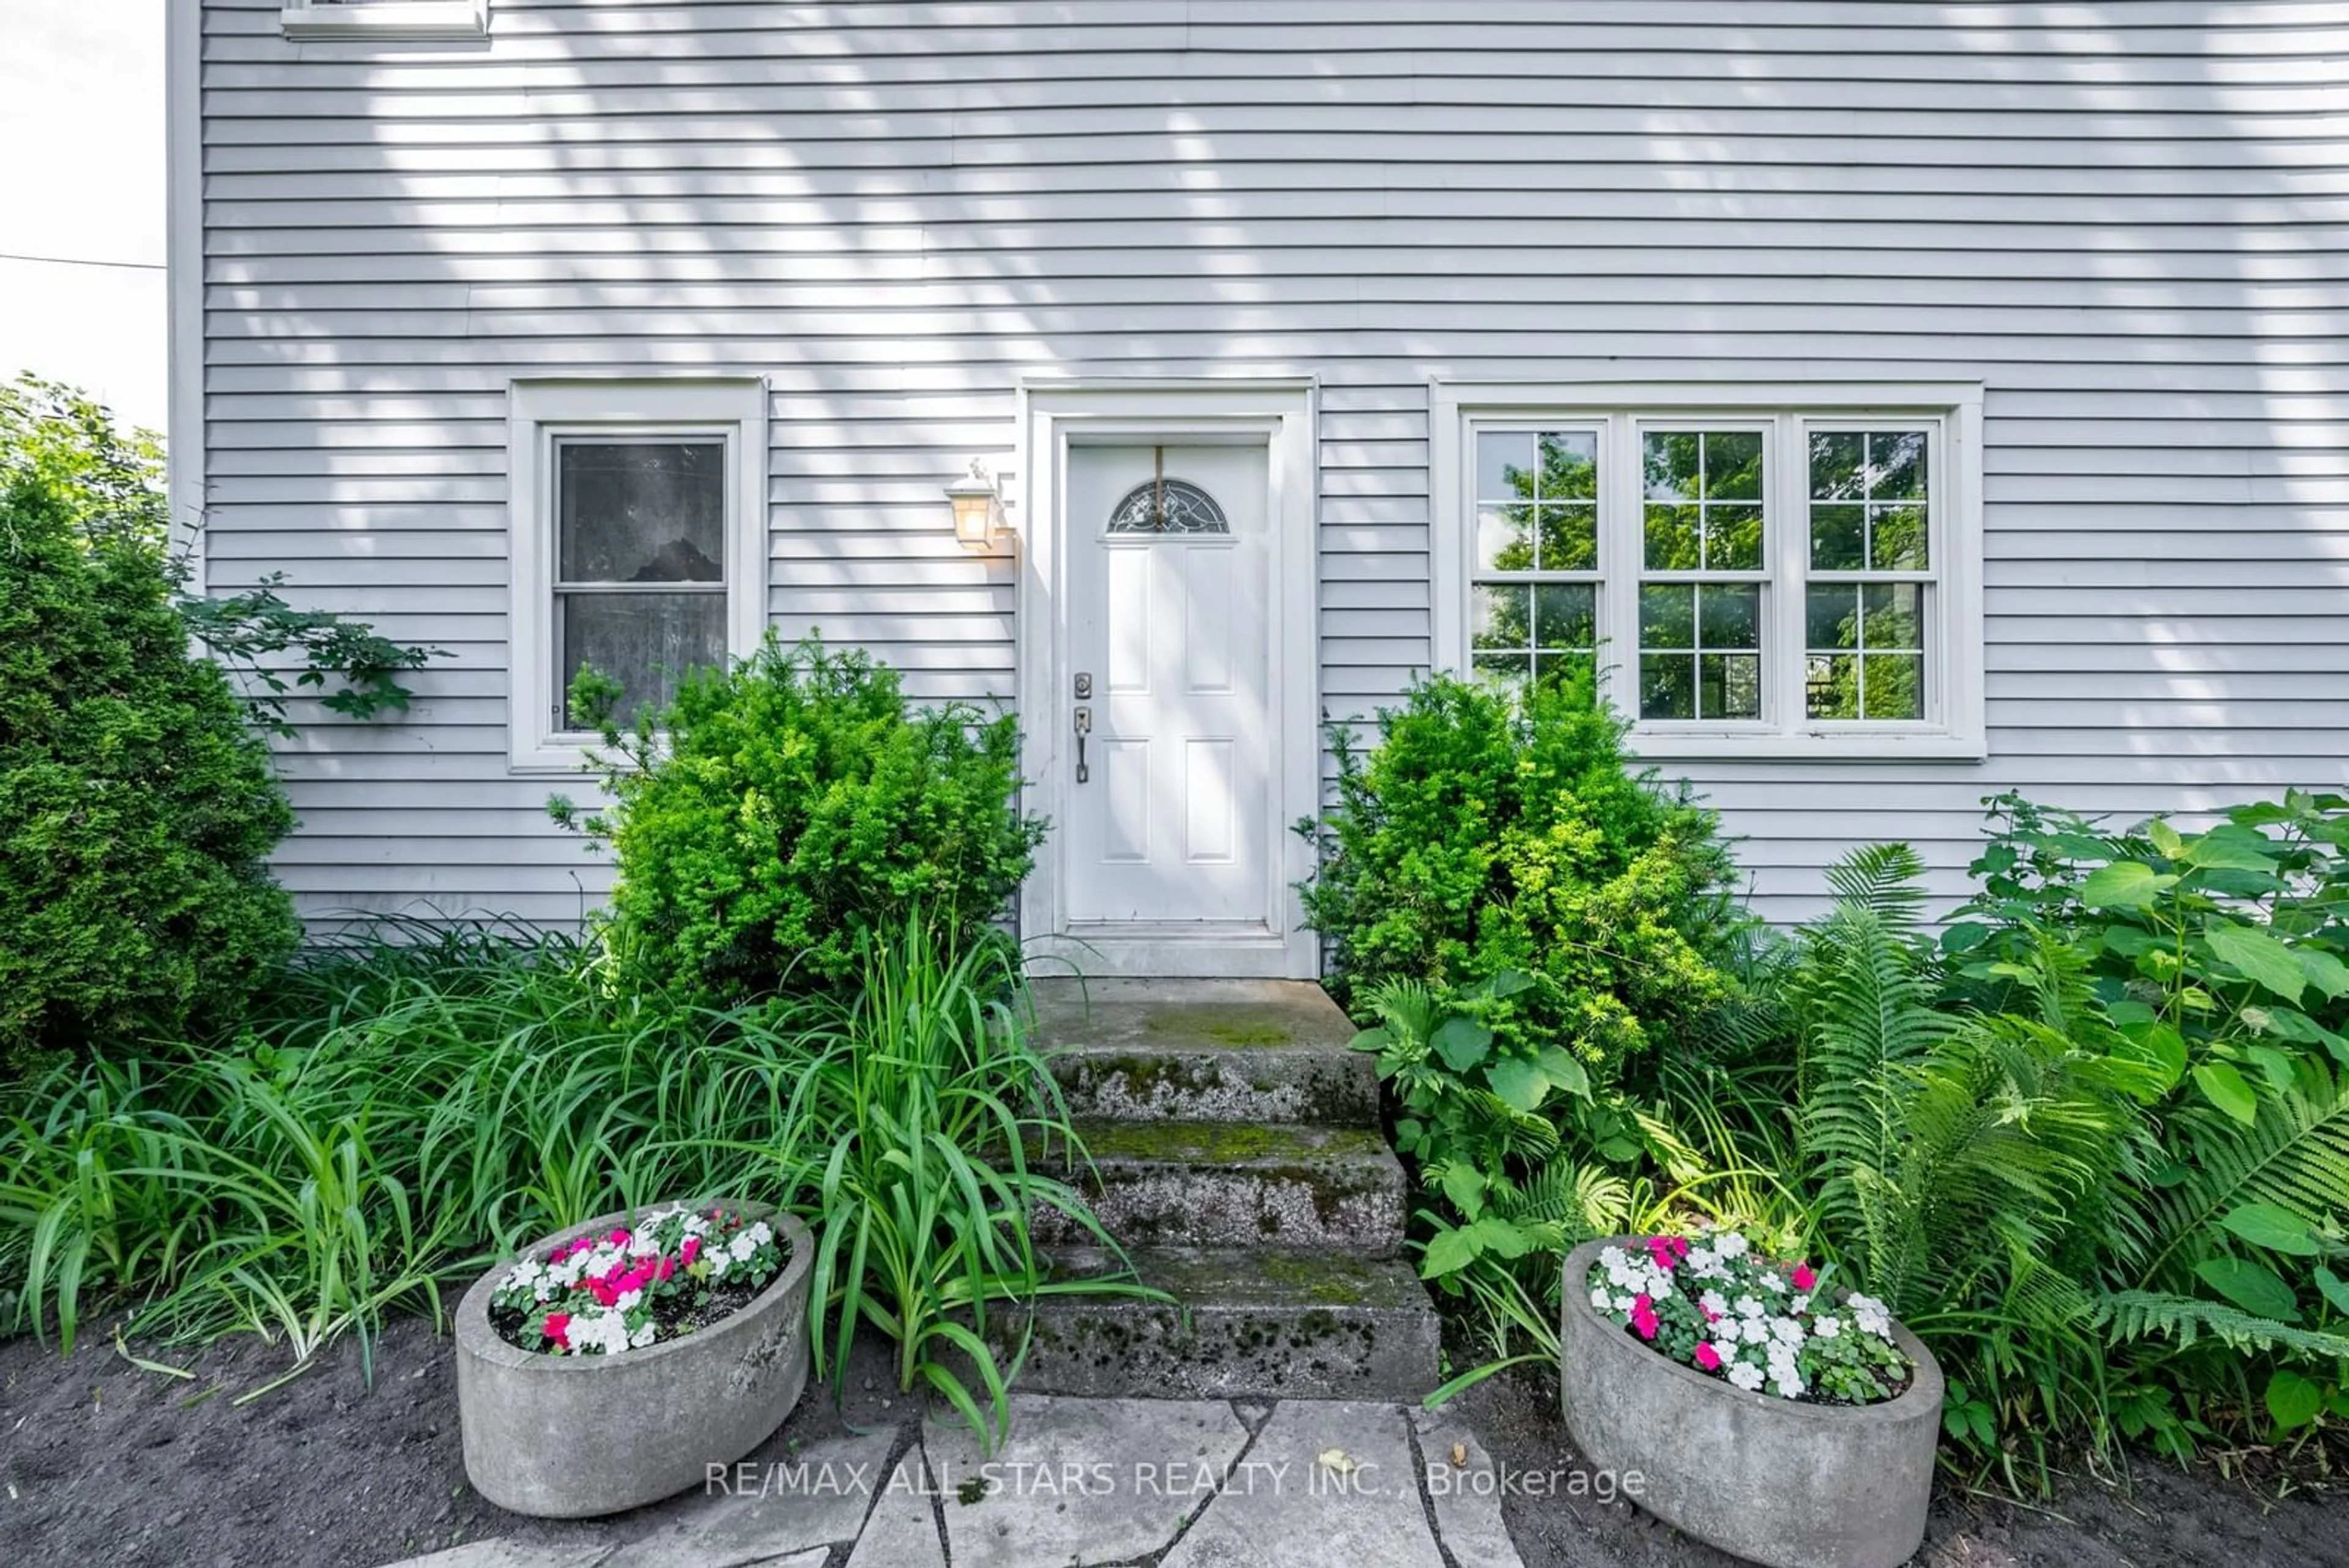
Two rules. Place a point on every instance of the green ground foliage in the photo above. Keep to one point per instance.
(2088, 1135)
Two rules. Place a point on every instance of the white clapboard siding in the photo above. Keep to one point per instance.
(2131, 223)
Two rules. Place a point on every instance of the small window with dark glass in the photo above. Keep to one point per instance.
(640, 572)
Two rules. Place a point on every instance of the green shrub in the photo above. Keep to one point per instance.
(783, 812)
(1490, 834)
(136, 809)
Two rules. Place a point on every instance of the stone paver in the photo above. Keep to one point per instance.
(903, 1532)
(1083, 1481)
(1466, 1496)
(510, 1554)
(1286, 1508)
(815, 1498)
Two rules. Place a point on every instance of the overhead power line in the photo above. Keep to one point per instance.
(81, 260)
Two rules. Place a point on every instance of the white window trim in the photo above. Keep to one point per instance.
(1955, 729)
(406, 19)
(540, 414)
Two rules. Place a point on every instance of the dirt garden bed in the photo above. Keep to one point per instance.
(103, 1463)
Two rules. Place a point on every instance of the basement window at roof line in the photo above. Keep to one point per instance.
(387, 19)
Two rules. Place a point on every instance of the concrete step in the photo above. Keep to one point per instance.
(1262, 1322)
(1221, 1184)
(1205, 1051)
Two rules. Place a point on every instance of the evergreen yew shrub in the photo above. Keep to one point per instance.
(780, 813)
(1491, 832)
(137, 807)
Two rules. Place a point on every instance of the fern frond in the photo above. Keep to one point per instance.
(2147, 1315)
(2294, 1154)
(1882, 879)
(1582, 1201)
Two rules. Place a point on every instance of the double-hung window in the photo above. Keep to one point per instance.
(1792, 571)
(638, 520)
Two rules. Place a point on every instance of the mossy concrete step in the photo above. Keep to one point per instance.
(1220, 1051)
(1262, 1322)
(1220, 1184)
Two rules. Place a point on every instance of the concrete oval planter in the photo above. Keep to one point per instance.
(1773, 1480)
(566, 1437)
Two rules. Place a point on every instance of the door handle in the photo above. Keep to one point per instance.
(1085, 726)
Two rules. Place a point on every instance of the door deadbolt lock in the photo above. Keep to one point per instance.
(1084, 686)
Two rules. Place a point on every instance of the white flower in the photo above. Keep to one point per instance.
(1747, 1376)
(1714, 1302)
(1828, 1327)
(1726, 1349)
(1787, 1331)
(1615, 1261)
(1625, 1303)
(1772, 1284)
(628, 1300)
(1731, 1245)
(1602, 1300)
(743, 1247)
(1754, 1329)
(760, 1234)
(641, 1338)
(1790, 1387)
(1748, 1307)
(1799, 1305)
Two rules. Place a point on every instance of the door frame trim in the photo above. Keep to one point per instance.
(1053, 416)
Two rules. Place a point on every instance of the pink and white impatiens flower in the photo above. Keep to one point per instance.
(1714, 1301)
(602, 1294)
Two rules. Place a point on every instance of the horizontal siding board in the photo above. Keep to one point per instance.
(2132, 225)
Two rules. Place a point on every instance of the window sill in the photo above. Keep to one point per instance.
(422, 19)
(1808, 745)
(551, 756)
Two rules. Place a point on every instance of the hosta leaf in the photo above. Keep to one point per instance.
(1502, 1239)
(1521, 1086)
(2260, 957)
(1370, 1040)
(2293, 1400)
(2277, 1230)
(1449, 1252)
(2252, 1286)
(1563, 1072)
(1464, 1185)
(1462, 1042)
(2224, 1087)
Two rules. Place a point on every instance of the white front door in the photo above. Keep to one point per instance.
(1170, 799)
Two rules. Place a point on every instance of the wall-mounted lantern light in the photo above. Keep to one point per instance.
(978, 507)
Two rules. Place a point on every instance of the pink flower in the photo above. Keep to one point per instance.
(691, 1248)
(1803, 1278)
(557, 1328)
(1643, 1317)
(1708, 1358)
(619, 1238)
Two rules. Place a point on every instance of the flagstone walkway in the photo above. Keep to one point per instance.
(1296, 1483)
